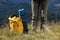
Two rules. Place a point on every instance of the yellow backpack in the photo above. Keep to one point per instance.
(15, 24)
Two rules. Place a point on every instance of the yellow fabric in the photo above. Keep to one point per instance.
(16, 24)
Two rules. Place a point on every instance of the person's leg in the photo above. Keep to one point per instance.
(34, 15)
(44, 8)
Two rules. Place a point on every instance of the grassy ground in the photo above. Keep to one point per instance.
(52, 32)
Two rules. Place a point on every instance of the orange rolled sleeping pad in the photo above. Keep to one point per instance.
(15, 24)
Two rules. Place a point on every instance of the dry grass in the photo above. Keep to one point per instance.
(52, 32)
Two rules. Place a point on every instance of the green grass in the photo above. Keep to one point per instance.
(52, 32)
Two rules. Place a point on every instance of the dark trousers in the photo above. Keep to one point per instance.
(35, 10)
